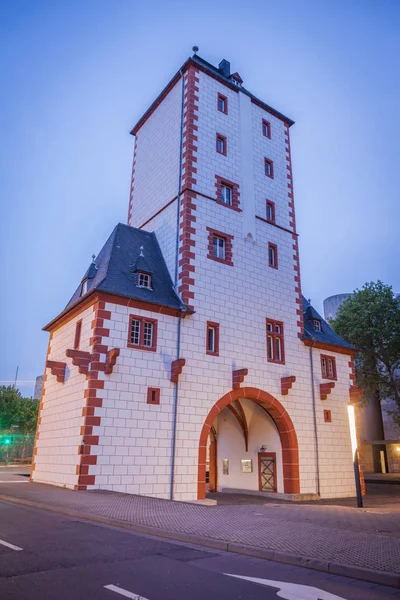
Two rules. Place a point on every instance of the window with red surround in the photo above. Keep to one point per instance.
(142, 333)
(327, 416)
(328, 367)
(227, 193)
(220, 246)
(153, 395)
(266, 128)
(212, 338)
(269, 168)
(222, 104)
(270, 211)
(275, 342)
(78, 330)
(273, 255)
(221, 144)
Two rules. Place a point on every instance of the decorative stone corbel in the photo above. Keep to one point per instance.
(176, 368)
(286, 384)
(325, 389)
(57, 369)
(238, 377)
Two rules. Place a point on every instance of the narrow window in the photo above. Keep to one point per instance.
(153, 396)
(270, 211)
(77, 340)
(142, 333)
(317, 325)
(219, 247)
(221, 144)
(273, 255)
(84, 287)
(327, 416)
(328, 367)
(144, 280)
(212, 342)
(226, 194)
(275, 345)
(266, 128)
(223, 104)
(269, 168)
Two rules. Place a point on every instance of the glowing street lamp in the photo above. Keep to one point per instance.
(353, 437)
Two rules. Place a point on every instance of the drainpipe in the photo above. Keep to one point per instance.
(317, 481)
(176, 281)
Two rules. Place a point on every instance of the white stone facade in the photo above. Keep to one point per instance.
(134, 438)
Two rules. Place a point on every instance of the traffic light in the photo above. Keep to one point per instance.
(7, 441)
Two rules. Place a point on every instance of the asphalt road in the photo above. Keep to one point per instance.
(47, 556)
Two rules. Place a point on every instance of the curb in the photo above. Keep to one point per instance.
(378, 577)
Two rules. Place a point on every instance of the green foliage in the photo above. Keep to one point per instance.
(17, 413)
(370, 320)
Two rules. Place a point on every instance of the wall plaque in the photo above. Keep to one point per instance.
(247, 465)
(225, 466)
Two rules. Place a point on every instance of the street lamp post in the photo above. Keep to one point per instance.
(353, 436)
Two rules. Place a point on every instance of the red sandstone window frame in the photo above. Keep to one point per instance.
(270, 205)
(235, 193)
(327, 416)
(214, 233)
(274, 336)
(224, 100)
(153, 395)
(270, 163)
(326, 371)
(78, 331)
(266, 128)
(221, 139)
(141, 345)
(215, 328)
(272, 255)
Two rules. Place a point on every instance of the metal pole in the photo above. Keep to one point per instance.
(16, 377)
(354, 448)
(358, 480)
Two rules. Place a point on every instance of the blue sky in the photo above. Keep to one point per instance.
(75, 76)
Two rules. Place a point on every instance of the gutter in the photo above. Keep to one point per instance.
(317, 475)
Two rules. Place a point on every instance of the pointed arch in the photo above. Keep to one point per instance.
(283, 422)
(238, 412)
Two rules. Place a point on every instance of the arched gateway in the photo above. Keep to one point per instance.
(287, 434)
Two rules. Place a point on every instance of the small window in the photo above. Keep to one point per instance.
(269, 168)
(144, 280)
(221, 144)
(270, 211)
(84, 288)
(219, 247)
(222, 104)
(266, 128)
(327, 416)
(317, 325)
(275, 345)
(153, 396)
(226, 194)
(78, 330)
(142, 333)
(328, 367)
(212, 342)
(273, 255)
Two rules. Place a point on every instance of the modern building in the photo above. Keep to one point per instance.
(187, 352)
(38, 387)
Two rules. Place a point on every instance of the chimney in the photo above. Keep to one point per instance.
(225, 67)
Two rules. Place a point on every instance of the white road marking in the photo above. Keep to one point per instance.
(292, 591)
(3, 543)
(126, 593)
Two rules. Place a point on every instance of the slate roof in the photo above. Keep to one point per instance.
(327, 335)
(114, 271)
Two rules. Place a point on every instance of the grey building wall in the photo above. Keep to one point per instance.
(38, 387)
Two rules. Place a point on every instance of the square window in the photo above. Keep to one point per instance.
(270, 211)
(273, 255)
(212, 342)
(219, 247)
(144, 280)
(328, 367)
(222, 104)
(221, 144)
(275, 342)
(266, 128)
(153, 396)
(269, 168)
(142, 333)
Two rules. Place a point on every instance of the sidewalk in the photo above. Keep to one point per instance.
(364, 544)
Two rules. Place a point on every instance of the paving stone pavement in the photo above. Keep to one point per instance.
(367, 538)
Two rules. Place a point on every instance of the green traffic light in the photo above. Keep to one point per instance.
(7, 441)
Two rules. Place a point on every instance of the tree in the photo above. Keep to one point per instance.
(370, 320)
(18, 418)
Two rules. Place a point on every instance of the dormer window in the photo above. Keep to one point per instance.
(84, 288)
(317, 325)
(144, 280)
(236, 79)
